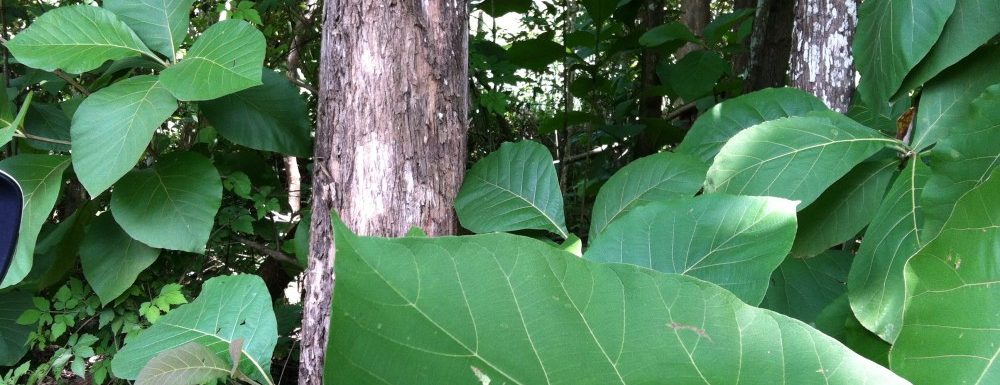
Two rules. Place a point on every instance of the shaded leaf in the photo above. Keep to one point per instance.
(875, 284)
(695, 74)
(946, 101)
(13, 336)
(171, 205)
(270, 117)
(971, 24)
(732, 241)
(535, 54)
(112, 260)
(802, 287)
(670, 32)
(845, 208)
(513, 188)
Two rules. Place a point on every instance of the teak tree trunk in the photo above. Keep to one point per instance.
(770, 45)
(821, 60)
(390, 142)
(695, 14)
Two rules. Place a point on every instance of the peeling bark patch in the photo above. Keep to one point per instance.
(821, 61)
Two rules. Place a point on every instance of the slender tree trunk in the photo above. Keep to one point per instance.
(770, 45)
(821, 60)
(742, 59)
(650, 106)
(390, 143)
(695, 14)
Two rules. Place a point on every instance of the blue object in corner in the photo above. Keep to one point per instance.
(11, 204)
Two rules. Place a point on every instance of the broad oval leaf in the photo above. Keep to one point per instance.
(513, 188)
(653, 178)
(695, 75)
(226, 58)
(161, 24)
(13, 336)
(845, 208)
(535, 54)
(795, 158)
(76, 39)
(500, 308)
(972, 24)
(600, 10)
(112, 128)
(189, 364)
(949, 332)
(892, 37)
(269, 117)
(962, 160)
(802, 288)
(112, 260)
(229, 308)
(946, 101)
(731, 241)
(875, 283)
(171, 205)
(40, 177)
(717, 125)
(671, 32)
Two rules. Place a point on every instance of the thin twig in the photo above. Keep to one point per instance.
(72, 82)
(40, 138)
(267, 251)
(302, 84)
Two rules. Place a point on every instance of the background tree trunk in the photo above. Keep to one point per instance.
(770, 45)
(650, 106)
(821, 59)
(695, 14)
(390, 142)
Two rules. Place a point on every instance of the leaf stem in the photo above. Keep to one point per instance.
(20, 134)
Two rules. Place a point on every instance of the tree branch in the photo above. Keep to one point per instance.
(260, 247)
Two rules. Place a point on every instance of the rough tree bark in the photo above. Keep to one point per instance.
(770, 45)
(821, 60)
(390, 142)
(695, 14)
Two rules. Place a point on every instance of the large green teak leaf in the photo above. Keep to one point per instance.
(76, 39)
(40, 177)
(269, 117)
(962, 160)
(171, 205)
(112, 260)
(653, 178)
(226, 58)
(13, 337)
(112, 128)
(504, 309)
(229, 308)
(795, 158)
(188, 364)
(892, 37)
(845, 208)
(716, 126)
(161, 24)
(950, 333)
(972, 24)
(802, 287)
(514, 188)
(732, 241)
(946, 101)
(875, 283)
